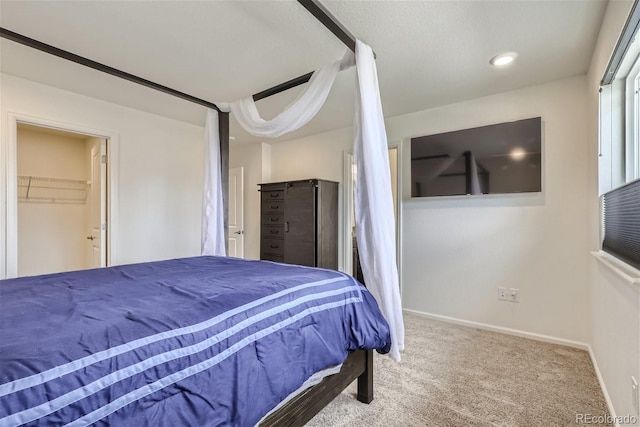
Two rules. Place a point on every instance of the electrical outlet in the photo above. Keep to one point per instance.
(502, 294)
(514, 295)
(635, 393)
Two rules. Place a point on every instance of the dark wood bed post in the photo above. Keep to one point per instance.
(365, 380)
(223, 129)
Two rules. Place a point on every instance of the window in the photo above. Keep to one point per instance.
(619, 156)
(632, 116)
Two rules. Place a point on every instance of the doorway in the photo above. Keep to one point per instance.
(235, 222)
(349, 213)
(61, 200)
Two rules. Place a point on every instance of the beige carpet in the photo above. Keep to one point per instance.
(454, 375)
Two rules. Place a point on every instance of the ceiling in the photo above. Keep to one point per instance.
(429, 53)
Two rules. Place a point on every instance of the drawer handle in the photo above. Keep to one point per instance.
(275, 231)
(274, 219)
(274, 195)
(275, 206)
(274, 246)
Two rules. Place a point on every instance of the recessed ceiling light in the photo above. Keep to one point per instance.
(503, 59)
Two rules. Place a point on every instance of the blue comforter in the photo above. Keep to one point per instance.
(202, 341)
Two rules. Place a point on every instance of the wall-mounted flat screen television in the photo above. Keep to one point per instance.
(494, 159)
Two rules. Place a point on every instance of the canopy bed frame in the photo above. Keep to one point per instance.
(359, 364)
(313, 6)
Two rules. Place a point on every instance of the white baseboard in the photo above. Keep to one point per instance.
(530, 335)
(603, 387)
(508, 331)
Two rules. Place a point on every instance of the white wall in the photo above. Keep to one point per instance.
(614, 312)
(457, 251)
(51, 235)
(158, 169)
(317, 156)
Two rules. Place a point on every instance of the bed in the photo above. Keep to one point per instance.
(77, 365)
(193, 341)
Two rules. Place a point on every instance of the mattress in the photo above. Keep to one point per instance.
(203, 341)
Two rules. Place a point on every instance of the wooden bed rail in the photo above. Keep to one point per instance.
(299, 410)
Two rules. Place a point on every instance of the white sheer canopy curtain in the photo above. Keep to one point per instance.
(299, 112)
(212, 207)
(375, 223)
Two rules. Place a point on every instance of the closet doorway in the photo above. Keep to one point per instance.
(62, 200)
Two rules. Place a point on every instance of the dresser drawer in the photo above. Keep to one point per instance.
(272, 206)
(272, 257)
(272, 232)
(272, 246)
(273, 219)
(272, 195)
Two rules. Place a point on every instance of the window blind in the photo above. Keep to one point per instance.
(621, 223)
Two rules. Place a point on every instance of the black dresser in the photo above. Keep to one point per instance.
(299, 222)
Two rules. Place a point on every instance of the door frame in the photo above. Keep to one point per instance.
(348, 207)
(9, 250)
(347, 212)
(239, 201)
(101, 149)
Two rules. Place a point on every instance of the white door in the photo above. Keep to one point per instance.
(96, 205)
(350, 171)
(236, 212)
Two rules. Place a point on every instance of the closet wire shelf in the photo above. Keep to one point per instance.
(52, 190)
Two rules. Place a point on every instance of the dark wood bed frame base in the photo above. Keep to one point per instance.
(307, 404)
